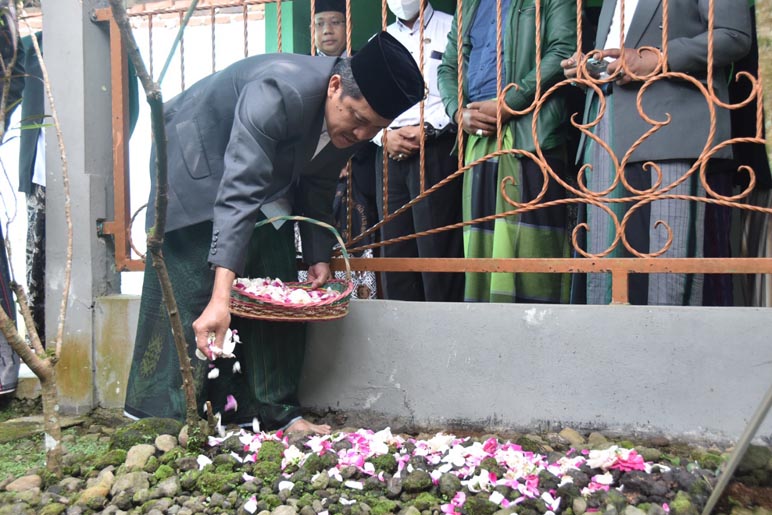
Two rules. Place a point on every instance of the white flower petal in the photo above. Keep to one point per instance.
(218, 426)
(286, 485)
(202, 461)
(496, 497)
(565, 480)
(228, 344)
(251, 505)
(214, 373)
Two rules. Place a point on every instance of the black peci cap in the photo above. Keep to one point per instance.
(321, 6)
(387, 75)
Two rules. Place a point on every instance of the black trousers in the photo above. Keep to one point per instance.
(439, 209)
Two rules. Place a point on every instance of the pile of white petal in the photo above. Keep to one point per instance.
(520, 470)
(276, 291)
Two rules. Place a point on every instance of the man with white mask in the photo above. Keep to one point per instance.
(401, 143)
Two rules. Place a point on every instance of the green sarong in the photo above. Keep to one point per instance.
(271, 353)
(539, 233)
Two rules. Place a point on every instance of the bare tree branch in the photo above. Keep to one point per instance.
(67, 208)
(155, 238)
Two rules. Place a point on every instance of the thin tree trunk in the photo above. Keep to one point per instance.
(155, 238)
(52, 427)
(42, 364)
(44, 368)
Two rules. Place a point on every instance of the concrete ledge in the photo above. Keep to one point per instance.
(28, 386)
(692, 372)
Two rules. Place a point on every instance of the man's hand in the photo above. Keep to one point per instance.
(319, 274)
(640, 63)
(479, 118)
(403, 142)
(216, 318)
(571, 64)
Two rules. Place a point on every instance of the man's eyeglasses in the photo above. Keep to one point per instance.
(334, 24)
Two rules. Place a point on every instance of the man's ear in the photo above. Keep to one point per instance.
(334, 86)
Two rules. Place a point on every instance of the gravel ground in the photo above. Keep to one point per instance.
(112, 466)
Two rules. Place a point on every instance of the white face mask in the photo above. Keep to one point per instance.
(404, 9)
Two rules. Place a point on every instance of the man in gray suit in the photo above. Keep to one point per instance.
(266, 136)
(674, 147)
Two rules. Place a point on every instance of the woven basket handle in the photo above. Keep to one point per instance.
(329, 227)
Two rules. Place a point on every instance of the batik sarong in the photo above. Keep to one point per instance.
(270, 355)
(534, 234)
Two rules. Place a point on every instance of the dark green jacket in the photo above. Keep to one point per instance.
(558, 42)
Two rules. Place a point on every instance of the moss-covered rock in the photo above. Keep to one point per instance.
(527, 444)
(225, 462)
(313, 464)
(113, 457)
(209, 483)
(755, 458)
(417, 481)
(144, 431)
(53, 509)
(272, 501)
(426, 501)
(682, 505)
(151, 465)
(305, 500)
(385, 462)
(449, 484)
(189, 479)
(171, 456)
(383, 506)
(615, 498)
(18, 508)
(329, 460)
(374, 486)
(479, 505)
(271, 451)
(267, 471)
(708, 460)
(163, 472)
(491, 465)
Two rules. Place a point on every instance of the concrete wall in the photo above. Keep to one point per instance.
(694, 372)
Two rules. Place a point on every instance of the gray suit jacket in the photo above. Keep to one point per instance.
(686, 135)
(243, 137)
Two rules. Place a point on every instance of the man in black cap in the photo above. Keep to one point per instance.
(330, 27)
(268, 135)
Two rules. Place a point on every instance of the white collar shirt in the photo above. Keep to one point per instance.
(322, 54)
(612, 40)
(436, 29)
(324, 138)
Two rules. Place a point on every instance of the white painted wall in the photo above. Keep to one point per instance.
(198, 64)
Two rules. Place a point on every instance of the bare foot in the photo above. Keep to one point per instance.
(304, 426)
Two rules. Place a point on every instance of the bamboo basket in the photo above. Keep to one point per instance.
(244, 305)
